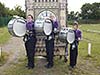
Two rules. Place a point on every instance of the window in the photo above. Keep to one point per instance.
(35, 0)
(56, 0)
(53, 0)
(38, 0)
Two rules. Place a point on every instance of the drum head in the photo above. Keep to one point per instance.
(70, 36)
(17, 27)
(47, 27)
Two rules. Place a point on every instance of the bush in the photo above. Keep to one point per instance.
(89, 21)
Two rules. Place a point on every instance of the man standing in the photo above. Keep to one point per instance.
(50, 45)
(30, 41)
(74, 45)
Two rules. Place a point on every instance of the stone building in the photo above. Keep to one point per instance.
(57, 8)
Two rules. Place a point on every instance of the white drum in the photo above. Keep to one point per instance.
(17, 27)
(63, 34)
(66, 34)
(47, 27)
(70, 36)
(39, 26)
(43, 27)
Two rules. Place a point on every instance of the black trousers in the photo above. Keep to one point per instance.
(73, 54)
(30, 50)
(50, 50)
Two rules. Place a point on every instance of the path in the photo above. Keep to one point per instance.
(14, 47)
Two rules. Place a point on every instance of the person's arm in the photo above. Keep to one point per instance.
(56, 27)
(79, 35)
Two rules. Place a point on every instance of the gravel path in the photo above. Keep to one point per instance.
(13, 47)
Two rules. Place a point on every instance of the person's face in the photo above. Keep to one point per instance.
(52, 17)
(29, 18)
(75, 27)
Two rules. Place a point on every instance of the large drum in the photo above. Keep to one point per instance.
(17, 27)
(63, 34)
(66, 34)
(43, 27)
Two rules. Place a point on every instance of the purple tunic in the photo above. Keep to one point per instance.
(29, 25)
(55, 23)
(78, 34)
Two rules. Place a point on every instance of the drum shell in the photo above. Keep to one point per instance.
(20, 23)
(40, 26)
(63, 34)
(10, 27)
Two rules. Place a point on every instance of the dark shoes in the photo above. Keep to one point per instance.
(72, 67)
(65, 60)
(29, 67)
(48, 66)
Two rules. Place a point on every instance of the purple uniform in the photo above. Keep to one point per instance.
(29, 25)
(78, 34)
(55, 23)
(74, 48)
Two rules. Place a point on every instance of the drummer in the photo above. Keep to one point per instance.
(74, 46)
(50, 44)
(30, 41)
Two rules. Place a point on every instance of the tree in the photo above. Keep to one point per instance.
(2, 10)
(71, 16)
(90, 11)
(17, 11)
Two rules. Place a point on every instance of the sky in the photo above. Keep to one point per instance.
(73, 5)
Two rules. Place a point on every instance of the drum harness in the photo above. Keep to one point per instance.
(28, 35)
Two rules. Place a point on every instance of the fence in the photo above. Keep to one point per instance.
(4, 20)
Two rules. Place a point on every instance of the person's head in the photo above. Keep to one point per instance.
(51, 17)
(29, 18)
(75, 25)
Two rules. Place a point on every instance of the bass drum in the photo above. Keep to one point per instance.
(43, 27)
(17, 27)
(39, 26)
(66, 34)
(47, 27)
(70, 36)
(63, 34)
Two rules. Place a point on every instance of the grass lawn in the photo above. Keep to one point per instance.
(3, 58)
(4, 35)
(86, 65)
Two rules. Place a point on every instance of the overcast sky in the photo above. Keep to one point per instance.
(73, 5)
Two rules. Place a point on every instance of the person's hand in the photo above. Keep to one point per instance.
(79, 39)
(56, 30)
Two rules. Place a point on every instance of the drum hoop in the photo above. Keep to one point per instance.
(13, 26)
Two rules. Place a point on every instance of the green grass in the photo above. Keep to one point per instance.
(4, 35)
(86, 65)
(3, 58)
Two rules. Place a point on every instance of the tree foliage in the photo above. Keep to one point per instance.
(91, 11)
(5, 11)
